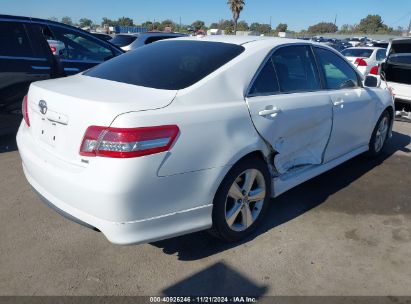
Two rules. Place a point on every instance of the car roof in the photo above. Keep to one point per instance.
(365, 48)
(23, 18)
(163, 33)
(255, 41)
(128, 34)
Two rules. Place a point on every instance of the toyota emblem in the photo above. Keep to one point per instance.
(43, 107)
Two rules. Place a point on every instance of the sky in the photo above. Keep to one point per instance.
(298, 14)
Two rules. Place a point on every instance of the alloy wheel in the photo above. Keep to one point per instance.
(245, 200)
(381, 134)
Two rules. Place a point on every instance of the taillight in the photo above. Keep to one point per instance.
(53, 49)
(127, 142)
(374, 70)
(25, 110)
(360, 62)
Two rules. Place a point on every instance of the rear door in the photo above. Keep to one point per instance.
(77, 51)
(353, 105)
(20, 63)
(289, 108)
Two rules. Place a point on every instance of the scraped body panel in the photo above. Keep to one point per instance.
(299, 132)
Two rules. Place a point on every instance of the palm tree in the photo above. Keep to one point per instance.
(236, 6)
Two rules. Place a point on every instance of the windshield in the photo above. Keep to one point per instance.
(169, 65)
(123, 40)
(364, 53)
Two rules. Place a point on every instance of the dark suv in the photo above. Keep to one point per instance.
(34, 49)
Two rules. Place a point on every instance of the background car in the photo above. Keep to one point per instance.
(57, 47)
(146, 146)
(35, 49)
(123, 41)
(396, 71)
(150, 37)
(103, 36)
(356, 41)
(364, 58)
(130, 42)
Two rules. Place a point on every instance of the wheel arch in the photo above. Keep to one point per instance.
(262, 154)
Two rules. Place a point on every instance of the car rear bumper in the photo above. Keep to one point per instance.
(134, 232)
(136, 208)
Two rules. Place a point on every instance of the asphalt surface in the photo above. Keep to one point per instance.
(346, 232)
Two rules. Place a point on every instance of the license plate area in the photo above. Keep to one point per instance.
(49, 132)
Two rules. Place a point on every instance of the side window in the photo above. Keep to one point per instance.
(381, 54)
(337, 72)
(266, 82)
(14, 40)
(296, 69)
(73, 45)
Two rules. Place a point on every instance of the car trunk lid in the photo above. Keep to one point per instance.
(61, 110)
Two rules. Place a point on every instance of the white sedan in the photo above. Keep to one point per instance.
(364, 58)
(196, 133)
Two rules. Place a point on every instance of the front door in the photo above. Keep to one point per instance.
(353, 106)
(289, 109)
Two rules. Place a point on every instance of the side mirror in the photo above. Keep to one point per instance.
(371, 81)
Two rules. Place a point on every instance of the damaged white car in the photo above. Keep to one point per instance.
(147, 146)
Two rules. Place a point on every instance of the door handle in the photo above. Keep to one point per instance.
(338, 102)
(272, 112)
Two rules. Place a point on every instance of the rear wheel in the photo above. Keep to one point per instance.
(380, 134)
(241, 200)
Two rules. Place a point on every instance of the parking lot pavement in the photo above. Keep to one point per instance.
(347, 232)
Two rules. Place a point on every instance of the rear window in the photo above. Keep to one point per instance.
(400, 58)
(400, 53)
(123, 40)
(364, 53)
(169, 65)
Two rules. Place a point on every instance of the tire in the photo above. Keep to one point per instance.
(247, 211)
(379, 135)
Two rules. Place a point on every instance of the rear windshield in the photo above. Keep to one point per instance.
(364, 53)
(123, 40)
(400, 53)
(400, 59)
(168, 65)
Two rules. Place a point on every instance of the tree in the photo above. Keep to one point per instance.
(322, 28)
(66, 20)
(125, 21)
(226, 25)
(264, 29)
(167, 22)
(242, 26)
(84, 22)
(236, 6)
(148, 25)
(282, 27)
(373, 24)
(156, 26)
(198, 25)
(53, 19)
(347, 29)
(108, 22)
